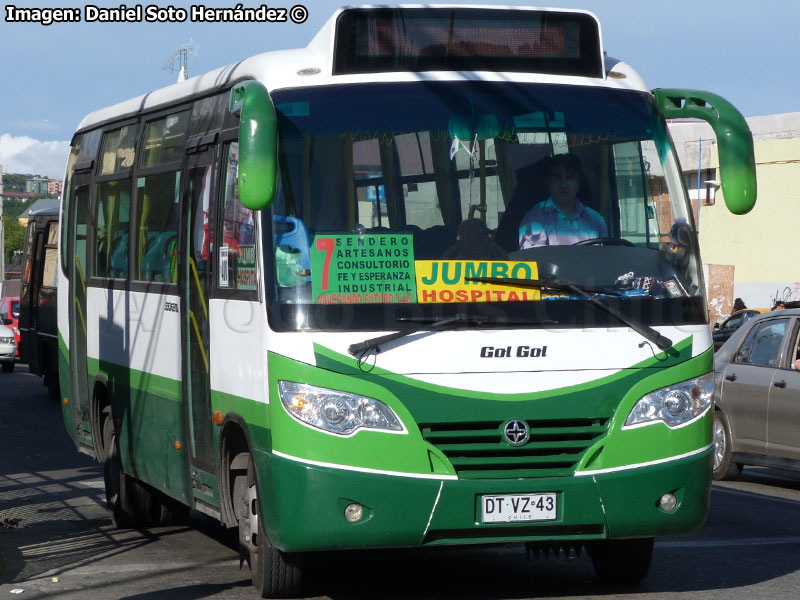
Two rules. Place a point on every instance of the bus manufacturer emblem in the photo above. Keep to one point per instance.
(516, 432)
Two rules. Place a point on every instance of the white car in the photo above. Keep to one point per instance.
(8, 349)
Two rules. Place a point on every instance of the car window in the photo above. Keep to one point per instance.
(733, 322)
(767, 342)
(794, 350)
(743, 354)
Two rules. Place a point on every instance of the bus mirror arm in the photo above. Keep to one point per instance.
(258, 144)
(734, 140)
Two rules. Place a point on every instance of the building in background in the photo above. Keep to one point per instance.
(750, 256)
(37, 185)
(54, 187)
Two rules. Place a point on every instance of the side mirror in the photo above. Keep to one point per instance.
(737, 163)
(258, 144)
(7, 321)
(716, 326)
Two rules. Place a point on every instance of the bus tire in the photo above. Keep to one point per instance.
(129, 502)
(275, 574)
(168, 511)
(723, 467)
(53, 387)
(621, 561)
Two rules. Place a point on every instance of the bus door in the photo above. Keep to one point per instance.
(76, 256)
(195, 277)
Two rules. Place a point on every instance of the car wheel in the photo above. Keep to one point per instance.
(724, 466)
(275, 574)
(8, 367)
(621, 561)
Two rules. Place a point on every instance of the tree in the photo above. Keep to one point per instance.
(15, 236)
(13, 208)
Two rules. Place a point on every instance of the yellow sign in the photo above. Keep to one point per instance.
(444, 281)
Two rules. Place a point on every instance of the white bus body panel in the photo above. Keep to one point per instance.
(453, 358)
(134, 330)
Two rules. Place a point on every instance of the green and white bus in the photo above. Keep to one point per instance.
(270, 311)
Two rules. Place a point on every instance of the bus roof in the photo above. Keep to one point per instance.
(314, 65)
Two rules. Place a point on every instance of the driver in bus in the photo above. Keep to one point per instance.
(562, 218)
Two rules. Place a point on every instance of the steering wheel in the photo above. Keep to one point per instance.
(604, 241)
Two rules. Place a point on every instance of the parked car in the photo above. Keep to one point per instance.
(756, 392)
(8, 347)
(9, 309)
(723, 332)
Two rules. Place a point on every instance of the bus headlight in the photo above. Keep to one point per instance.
(674, 405)
(338, 412)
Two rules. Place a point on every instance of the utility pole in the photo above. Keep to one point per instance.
(2, 232)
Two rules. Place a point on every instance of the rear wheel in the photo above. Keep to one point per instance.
(53, 388)
(621, 561)
(275, 574)
(724, 466)
(8, 367)
(168, 511)
(128, 500)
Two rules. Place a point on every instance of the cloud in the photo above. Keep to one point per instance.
(22, 154)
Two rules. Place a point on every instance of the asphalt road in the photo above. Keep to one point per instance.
(56, 540)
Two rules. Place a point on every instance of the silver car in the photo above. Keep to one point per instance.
(8, 349)
(757, 395)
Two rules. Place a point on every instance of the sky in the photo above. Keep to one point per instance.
(51, 76)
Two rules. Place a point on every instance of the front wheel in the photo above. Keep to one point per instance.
(8, 367)
(724, 466)
(621, 561)
(275, 574)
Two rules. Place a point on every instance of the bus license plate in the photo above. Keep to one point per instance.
(518, 507)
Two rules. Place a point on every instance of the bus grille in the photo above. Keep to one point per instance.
(479, 450)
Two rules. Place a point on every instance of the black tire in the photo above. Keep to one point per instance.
(8, 367)
(723, 467)
(275, 574)
(53, 387)
(168, 511)
(128, 500)
(621, 561)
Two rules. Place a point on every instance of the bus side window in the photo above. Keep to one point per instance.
(157, 228)
(236, 252)
(111, 220)
(158, 200)
(50, 256)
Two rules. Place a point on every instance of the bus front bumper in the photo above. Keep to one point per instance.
(304, 505)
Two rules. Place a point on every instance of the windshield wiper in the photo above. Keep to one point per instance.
(435, 324)
(646, 331)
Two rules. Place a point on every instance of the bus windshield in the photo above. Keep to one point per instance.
(407, 200)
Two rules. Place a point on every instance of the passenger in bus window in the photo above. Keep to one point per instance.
(563, 218)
